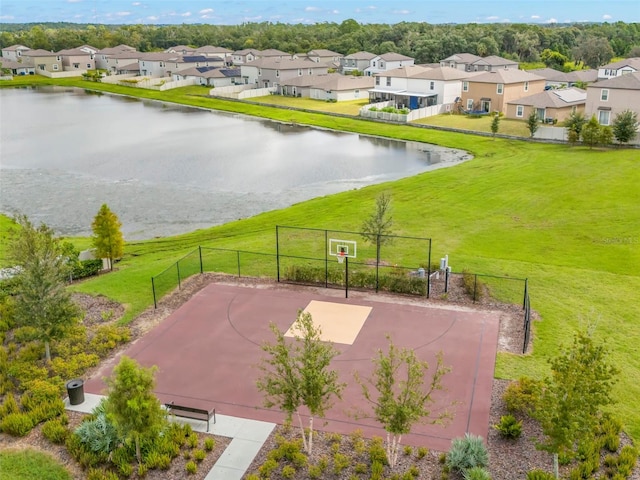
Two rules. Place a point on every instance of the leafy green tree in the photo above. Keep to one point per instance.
(397, 391)
(575, 122)
(625, 126)
(42, 301)
(533, 123)
(495, 124)
(593, 51)
(107, 236)
(131, 405)
(377, 228)
(591, 132)
(580, 385)
(605, 136)
(553, 59)
(296, 373)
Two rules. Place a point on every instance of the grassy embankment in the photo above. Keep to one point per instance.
(566, 218)
(30, 464)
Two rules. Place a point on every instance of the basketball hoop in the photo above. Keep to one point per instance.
(341, 256)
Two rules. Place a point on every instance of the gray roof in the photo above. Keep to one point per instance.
(495, 60)
(505, 76)
(12, 64)
(339, 82)
(160, 57)
(550, 74)
(211, 49)
(394, 57)
(210, 72)
(590, 75)
(462, 58)
(321, 52)
(276, 63)
(16, 47)
(633, 62)
(272, 52)
(361, 56)
(39, 53)
(118, 49)
(565, 97)
(74, 52)
(445, 74)
(629, 81)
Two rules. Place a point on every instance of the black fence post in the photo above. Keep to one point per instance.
(238, 253)
(277, 255)
(377, 262)
(153, 288)
(346, 277)
(526, 293)
(200, 252)
(178, 269)
(326, 259)
(446, 280)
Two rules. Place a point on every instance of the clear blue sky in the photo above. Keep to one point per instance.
(233, 12)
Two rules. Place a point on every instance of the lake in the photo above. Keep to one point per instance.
(166, 169)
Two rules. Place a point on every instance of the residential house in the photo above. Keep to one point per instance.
(247, 55)
(16, 68)
(220, 52)
(551, 106)
(474, 63)
(358, 61)
(115, 63)
(274, 53)
(271, 72)
(325, 56)
(579, 77)
(416, 86)
(42, 60)
(77, 59)
(340, 88)
(14, 52)
(181, 50)
(491, 91)
(622, 67)
(608, 98)
(101, 56)
(190, 61)
(553, 78)
(158, 64)
(386, 62)
(211, 76)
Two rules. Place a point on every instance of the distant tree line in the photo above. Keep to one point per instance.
(590, 44)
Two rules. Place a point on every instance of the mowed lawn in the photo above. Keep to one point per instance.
(349, 107)
(506, 126)
(565, 217)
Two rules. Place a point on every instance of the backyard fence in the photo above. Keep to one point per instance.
(380, 263)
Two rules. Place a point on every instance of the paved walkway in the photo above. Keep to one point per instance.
(248, 436)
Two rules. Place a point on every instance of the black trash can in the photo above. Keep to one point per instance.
(75, 389)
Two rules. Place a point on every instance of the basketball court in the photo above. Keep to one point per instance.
(207, 353)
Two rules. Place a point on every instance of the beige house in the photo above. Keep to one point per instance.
(77, 59)
(607, 98)
(356, 61)
(115, 62)
(272, 72)
(491, 91)
(387, 61)
(14, 52)
(622, 67)
(473, 63)
(210, 76)
(42, 60)
(16, 68)
(102, 56)
(551, 106)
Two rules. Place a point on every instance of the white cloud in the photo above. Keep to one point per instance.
(311, 9)
(153, 18)
(74, 1)
(606, 17)
(335, 12)
(535, 17)
(401, 12)
(136, 4)
(552, 20)
(505, 20)
(185, 14)
(257, 18)
(493, 18)
(205, 11)
(7, 17)
(122, 14)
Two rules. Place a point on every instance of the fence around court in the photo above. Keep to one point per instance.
(383, 263)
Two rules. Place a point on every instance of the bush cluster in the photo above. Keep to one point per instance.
(467, 452)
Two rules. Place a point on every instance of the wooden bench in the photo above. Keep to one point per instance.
(190, 412)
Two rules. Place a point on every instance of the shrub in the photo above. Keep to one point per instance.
(377, 453)
(377, 471)
(422, 452)
(476, 473)
(55, 431)
(75, 365)
(522, 396)
(199, 455)
(108, 337)
(288, 471)
(509, 427)
(9, 406)
(540, 475)
(340, 463)
(413, 472)
(142, 470)
(472, 285)
(17, 424)
(361, 468)
(99, 434)
(314, 471)
(39, 391)
(407, 450)
(209, 444)
(125, 469)
(267, 468)
(612, 442)
(467, 452)
(47, 410)
(192, 440)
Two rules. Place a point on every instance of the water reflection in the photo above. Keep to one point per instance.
(169, 169)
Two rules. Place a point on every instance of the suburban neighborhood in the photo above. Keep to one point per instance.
(462, 83)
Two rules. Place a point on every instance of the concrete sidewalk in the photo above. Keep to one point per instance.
(247, 436)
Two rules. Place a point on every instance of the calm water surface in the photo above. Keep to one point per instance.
(168, 169)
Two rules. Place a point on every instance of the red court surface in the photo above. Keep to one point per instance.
(208, 350)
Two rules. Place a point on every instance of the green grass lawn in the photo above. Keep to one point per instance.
(30, 465)
(351, 107)
(564, 217)
(477, 124)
